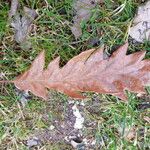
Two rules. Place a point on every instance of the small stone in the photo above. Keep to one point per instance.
(51, 127)
(79, 119)
(82, 103)
(33, 142)
(71, 102)
(93, 142)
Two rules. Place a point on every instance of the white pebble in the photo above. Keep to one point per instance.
(79, 119)
(51, 127)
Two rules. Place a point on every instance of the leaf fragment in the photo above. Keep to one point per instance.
(83, 10)
(20, 23)
(140, 30)
(89, 71)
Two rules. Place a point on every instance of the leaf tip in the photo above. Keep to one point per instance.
(121, 51)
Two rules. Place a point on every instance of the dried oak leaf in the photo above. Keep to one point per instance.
(89, 71)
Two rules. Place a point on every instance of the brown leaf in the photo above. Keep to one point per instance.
(89, 71)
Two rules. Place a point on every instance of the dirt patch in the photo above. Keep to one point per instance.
(72, 125)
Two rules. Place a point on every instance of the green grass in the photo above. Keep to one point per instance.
(52, 34)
